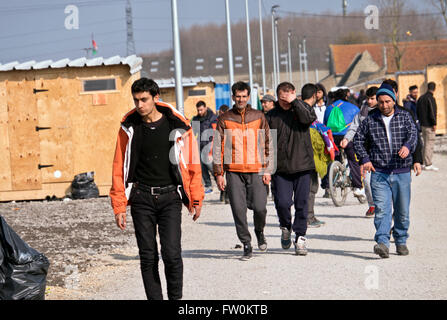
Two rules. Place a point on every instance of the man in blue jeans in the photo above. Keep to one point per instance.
(385, 142)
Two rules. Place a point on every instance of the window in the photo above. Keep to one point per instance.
(99, 85)
(197, 92)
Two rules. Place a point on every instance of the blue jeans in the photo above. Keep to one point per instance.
(391, 192)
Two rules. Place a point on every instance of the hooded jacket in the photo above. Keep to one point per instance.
(294, 145)
(184, 157)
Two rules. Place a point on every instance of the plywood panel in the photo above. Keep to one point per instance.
(55, 143)
(23, 137)
(438, 74)
(5, 167)
(405, 81)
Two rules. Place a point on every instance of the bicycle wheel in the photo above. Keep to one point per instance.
(337, 184)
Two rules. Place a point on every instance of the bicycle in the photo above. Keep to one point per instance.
(340, 181)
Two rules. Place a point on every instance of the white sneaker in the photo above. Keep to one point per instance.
(431, 168)
(359, 192)
(300, 246)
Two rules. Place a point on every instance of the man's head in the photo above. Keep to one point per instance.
(393, 85)
(145, 93)
(371, 99)
(321, 92)
(431, 86)
(286, 93)
(386, 99)
(201, 108)
(223, 108)
(241, 94)
(414, 92)
(309, 93)
(268, 102)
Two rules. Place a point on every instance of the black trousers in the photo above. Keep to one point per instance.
(292, 189)
(165, 212)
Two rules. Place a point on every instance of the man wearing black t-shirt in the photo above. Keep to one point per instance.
(154, 163)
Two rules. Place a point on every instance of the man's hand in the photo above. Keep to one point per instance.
(288, 96)
(266, 178)
(367, 167)
(404, 152)
(220, 183)
(344, 143)
(195, 213)
(417, 168)
(120, 219)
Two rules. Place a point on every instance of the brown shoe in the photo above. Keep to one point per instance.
(402, 250)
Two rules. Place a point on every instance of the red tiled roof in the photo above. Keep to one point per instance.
(417, 54)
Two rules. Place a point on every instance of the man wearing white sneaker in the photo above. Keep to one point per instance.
(427, 112)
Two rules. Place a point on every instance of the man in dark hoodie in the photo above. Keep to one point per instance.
(295, 160)
(204, 124)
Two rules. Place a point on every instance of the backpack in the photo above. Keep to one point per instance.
(336, 120)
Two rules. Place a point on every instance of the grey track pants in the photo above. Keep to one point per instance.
(247, 191)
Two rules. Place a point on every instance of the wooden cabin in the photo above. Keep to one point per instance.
(59, 119)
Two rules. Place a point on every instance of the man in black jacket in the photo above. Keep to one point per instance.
(204, 124)
(295, 160)
(426, 112)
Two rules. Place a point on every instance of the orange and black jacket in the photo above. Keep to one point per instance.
(241, 142)
(184, 157)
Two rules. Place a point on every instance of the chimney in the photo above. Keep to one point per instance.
(385, 61)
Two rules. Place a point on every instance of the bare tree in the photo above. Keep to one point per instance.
(441, 5)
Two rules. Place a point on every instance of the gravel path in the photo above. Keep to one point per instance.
(340, 263)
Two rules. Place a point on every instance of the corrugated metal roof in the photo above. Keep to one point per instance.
(187, 82)
(134, 62)
(410, 72)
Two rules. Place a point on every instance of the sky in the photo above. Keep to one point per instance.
(38, 29)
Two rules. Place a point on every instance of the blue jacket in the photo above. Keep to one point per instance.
(371, 142)
(349, 111)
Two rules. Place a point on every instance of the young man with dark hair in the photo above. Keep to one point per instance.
(295, 161)
(390, 162)
(320, 105)
(369, 105)
(427, 115)
(145, 177)
(241, 148)
(204, 124)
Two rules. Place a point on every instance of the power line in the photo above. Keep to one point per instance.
(325, 15)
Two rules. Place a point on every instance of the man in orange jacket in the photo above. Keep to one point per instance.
(155, 182)
(241, 149)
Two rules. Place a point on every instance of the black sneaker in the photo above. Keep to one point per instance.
(402, 250)
(286, 242)
(262, 243)
(326, 194)
(382, 250)
(247, 252)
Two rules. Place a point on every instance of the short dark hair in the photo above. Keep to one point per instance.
(224, 108)
(413, 88)
(145, 85)
(240, 86)
(341, 94)
(284, 86)
(201, 103)
(431, 86)
(371, 92)
(308, 91)
(392, 83)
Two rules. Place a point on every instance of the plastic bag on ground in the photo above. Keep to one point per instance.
(23, 270)
(84, 186)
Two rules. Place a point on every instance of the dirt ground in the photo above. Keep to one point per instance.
(92, 259)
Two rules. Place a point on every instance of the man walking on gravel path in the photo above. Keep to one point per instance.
(241, 150)
(385, 142)
(292, 119)
(146, 176)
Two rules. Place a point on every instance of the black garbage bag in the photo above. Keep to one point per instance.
(23, 270)
(84, 187)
